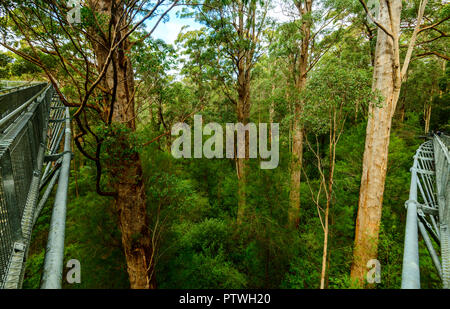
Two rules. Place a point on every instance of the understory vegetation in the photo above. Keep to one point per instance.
(225, 223)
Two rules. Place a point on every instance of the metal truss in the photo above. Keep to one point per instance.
(428, 212)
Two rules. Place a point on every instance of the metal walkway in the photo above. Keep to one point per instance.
(428, 212)
(33, 123)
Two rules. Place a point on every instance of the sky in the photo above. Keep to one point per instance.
(169, 31)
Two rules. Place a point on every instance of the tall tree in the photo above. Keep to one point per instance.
(387, 81)
(300, 69)
(303, 41)
(333, 92)
(236, 28)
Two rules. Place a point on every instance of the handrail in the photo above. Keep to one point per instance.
(410, 269)
(444, 148)
(53, 263)
(29, 145)
(5, 120)
(443, 198)
(7, 90)
(22, 153)
(428, 213)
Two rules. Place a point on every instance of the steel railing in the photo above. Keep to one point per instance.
(11, 100)
(30, 157)
(22, 133)
(428, 212)
(442, 160)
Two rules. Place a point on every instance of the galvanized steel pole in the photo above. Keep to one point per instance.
(54, 257)
(411, 272)
(431, 251)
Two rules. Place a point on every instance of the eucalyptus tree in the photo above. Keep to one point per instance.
(198, 67)
(336, 91)
(419, 90)
(152, 61)
(312, 30)
(235, 30)
(431, 56)
(91, 64)
(389, 74)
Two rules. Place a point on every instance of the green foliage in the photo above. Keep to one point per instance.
(92, 237)
(5, 65)
(192, 204)
(34, 268)
(201, 261)
(21, 67)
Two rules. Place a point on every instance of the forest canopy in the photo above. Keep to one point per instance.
(352, 86)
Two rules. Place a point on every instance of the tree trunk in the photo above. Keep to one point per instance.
(244, 67)
(271, 111)
(325, 248)
(126, 170)
(297, 135)
(296, 168)
(402, 113)
(243, 113)
(387, 83)
(427, 117)
(332, 162)
(402, 101)
(130, 204)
